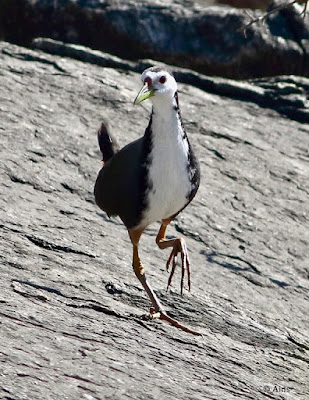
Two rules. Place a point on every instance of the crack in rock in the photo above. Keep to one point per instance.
(20, 287)
(42, 243)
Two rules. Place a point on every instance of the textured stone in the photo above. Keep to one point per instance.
(70, 304)
(286, 94)
(208, 40)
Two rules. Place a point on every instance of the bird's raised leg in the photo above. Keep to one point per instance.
(157, 310)
(179, 246)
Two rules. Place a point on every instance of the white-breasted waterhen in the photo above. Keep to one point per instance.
(151, 179)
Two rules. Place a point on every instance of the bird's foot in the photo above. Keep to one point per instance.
(179, 246)
(153, 314)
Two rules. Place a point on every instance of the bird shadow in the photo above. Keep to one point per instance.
(212, 256)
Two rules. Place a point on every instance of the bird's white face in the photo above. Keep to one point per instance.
(158, 84)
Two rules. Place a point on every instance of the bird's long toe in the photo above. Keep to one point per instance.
(172, 321)
(179, 247)
(162, 315)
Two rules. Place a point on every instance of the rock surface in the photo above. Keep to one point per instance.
(70, 304)
(286, 94)
(208, 40)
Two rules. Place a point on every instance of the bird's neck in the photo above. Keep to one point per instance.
(166, 124)
(168, 159)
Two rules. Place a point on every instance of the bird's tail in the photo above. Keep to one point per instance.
(107, 143)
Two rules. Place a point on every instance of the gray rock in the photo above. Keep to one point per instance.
(208, 40)
(70, 304)
(288, 94)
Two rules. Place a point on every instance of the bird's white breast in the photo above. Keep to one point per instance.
(168, 169)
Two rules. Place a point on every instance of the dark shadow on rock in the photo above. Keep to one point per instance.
(279, 283)
(110, 220)
(40, 287)
(211, 257)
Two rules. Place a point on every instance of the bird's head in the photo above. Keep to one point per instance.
(159, 84)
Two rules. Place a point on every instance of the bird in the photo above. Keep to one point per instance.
(151, 179)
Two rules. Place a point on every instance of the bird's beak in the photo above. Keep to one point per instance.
(144, 94)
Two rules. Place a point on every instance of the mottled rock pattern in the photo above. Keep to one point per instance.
(70, 304)
(286, 94)
(208, 40)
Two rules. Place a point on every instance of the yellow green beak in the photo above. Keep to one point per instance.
(144, 94)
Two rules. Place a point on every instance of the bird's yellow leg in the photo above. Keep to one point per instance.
(179, 246)
(140, 271)
(157, 310)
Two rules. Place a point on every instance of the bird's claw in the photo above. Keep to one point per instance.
(179, 247)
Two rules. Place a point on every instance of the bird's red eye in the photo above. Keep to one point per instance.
(148, 80)
(162, 79)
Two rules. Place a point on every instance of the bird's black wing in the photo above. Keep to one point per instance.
(119, 188)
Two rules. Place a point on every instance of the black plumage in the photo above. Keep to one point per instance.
(153, 178)
(121, 185)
